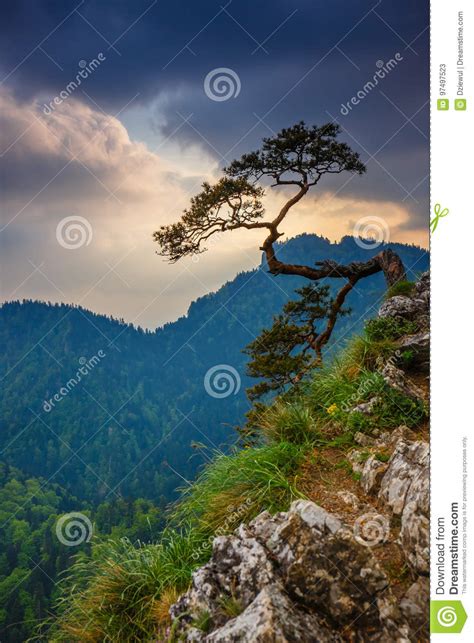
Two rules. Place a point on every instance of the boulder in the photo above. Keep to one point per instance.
(273, 618)
(300, 575)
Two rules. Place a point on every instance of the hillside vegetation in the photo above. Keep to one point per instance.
(297, 447)
(137, 397)
(117, 445)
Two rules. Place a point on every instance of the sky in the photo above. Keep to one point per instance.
(170, 92)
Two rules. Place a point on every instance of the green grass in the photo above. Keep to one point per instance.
(390, 328)
(363, 352)
(404, 288)
(286, 421)
(236, 488)
(231, 606)
(124, 593)
(116, 595)
(203, 622)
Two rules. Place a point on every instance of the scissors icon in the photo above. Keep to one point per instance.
(439, 214)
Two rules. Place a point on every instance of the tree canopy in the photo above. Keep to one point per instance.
(295, 160)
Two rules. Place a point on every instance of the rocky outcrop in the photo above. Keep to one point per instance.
(272, 616)
(302, 575)
(401, 488)
(405, 489)
(396, 378)
(415, 307)
(400, 306)
(310, 575)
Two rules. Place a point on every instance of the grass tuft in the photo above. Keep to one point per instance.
(236, 488)
(124, 592)
(404, 288)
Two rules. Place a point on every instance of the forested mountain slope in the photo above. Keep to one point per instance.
(106, 419)
(125, 425)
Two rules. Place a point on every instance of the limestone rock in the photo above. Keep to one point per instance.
(415, 606)
(363, 439)
(372, 474)
(349, 498)
(299, 576)
(396, 378)
(405, 489)
(416, 307)
(366, 407)
(399, 306)
(419, 347)
(273, 618)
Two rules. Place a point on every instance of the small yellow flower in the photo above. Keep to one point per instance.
(332, 409)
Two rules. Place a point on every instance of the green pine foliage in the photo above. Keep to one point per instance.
(285, 351)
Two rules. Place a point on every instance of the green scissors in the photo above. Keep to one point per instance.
(438, 215)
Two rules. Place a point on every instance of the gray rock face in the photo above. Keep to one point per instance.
(372, 474)
(405, 489)
(417, 347)
(416, 307)
(301, 576)
(414, 605)
(400, 306)
(396, 378)
(272, 617)
(402, 485)
(408, 461)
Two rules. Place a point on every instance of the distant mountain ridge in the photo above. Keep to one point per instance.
(125, 426)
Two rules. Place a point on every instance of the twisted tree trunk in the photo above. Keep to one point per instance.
(386, 261)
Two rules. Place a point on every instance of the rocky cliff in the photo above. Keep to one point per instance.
(353, 564)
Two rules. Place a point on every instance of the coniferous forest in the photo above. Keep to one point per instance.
(109, 420)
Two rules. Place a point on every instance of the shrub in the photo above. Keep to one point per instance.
(389, 328)
(404, 288)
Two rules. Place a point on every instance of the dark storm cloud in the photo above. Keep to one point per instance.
(175, 43)
(298, 60)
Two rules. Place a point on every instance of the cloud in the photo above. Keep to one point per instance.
(80, 162)
(153, 47)
(294, 62)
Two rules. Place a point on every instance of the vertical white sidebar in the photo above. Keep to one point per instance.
(452, 321)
